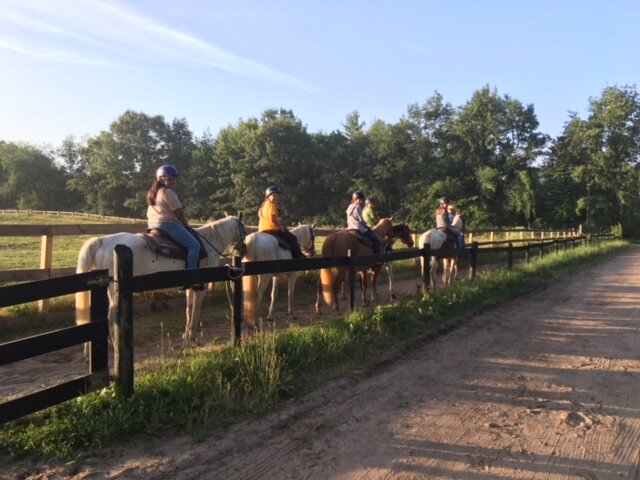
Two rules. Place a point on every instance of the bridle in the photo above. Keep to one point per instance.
(240, 246)
(310, 249)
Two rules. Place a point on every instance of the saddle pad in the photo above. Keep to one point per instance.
(160, 242)
(281, 243)
(361, 239)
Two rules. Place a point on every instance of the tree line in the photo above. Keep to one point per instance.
(488, 155)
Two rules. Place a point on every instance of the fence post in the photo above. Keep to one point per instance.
(236, 306)
(541, 249)
(510, 256)
(123, 343)
(99, 349)
(46, 255)
(352, 282)
(426, 268)
(473, 261)
(557, 242)
(526, 253)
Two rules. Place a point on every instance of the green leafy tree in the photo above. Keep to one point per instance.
(118, 166)
(31, 179)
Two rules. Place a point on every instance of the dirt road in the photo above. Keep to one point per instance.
(543, 387)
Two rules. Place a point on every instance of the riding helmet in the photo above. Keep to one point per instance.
(358, 195)
(445, 200)
(370, 200)
(272, 189)
(167, 171)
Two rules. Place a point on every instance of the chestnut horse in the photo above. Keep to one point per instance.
(338, 244)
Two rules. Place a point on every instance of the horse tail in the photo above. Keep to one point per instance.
(251, 242)
(326, 278)
(86, 262)
(250, 293)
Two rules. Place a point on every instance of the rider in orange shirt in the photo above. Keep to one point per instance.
(271, 214)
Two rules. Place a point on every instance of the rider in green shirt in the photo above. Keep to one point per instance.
(369, 214)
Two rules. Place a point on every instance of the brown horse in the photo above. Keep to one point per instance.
(338, 244)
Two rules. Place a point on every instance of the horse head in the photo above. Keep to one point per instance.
(306, 238)
(403, 232)
(384, 228)
(241, 246)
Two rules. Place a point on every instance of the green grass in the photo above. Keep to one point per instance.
(24, 252)
(212, 387)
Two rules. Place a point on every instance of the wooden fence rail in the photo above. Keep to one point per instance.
(97, 332)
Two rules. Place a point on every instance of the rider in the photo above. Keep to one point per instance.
(270, 215)
(443, 223)
(165, 212)
(355, 221)
(369, 213)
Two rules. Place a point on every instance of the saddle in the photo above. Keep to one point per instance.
(451, 241)
(281, 243)
(361, 239)
(160, 242)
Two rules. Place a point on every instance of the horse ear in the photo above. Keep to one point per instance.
(226, 214)
(313, 225)
(240, 216)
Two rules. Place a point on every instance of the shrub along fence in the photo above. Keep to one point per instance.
(96, 332)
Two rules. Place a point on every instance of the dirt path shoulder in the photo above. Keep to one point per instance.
(546, 386)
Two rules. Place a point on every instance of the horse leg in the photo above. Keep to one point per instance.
(445, 271)
(340, 276)
(363, 287)
(188, 330)
(374, 284)
(291, 290)
(389, 269)
(274, 296)
(434, 267)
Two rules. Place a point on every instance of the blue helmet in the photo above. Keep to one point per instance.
(167, 171)
(445, 200)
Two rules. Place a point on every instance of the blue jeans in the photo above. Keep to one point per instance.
(459, 236)
(181, 235)
(375, 239)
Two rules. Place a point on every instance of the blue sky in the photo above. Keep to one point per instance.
(71, 67)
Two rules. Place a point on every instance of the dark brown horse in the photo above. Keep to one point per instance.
(338, 244)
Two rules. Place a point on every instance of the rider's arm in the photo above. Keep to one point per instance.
(179, 213)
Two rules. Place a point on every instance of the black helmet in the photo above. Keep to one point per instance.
(370, 200)
(445, 200)
(167, 171)
(272, 189)
(358, 195)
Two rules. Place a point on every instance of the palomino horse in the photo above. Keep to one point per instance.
(263, 246)
(436, 239)
(97, 253)
(338, 244)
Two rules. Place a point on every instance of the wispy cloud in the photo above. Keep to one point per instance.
(100, 33)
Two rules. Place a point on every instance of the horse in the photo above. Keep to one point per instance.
(263, 246)
(338, 244)
(97, 253)
(436, 240)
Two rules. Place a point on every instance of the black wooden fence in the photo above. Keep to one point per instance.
(96, 332)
